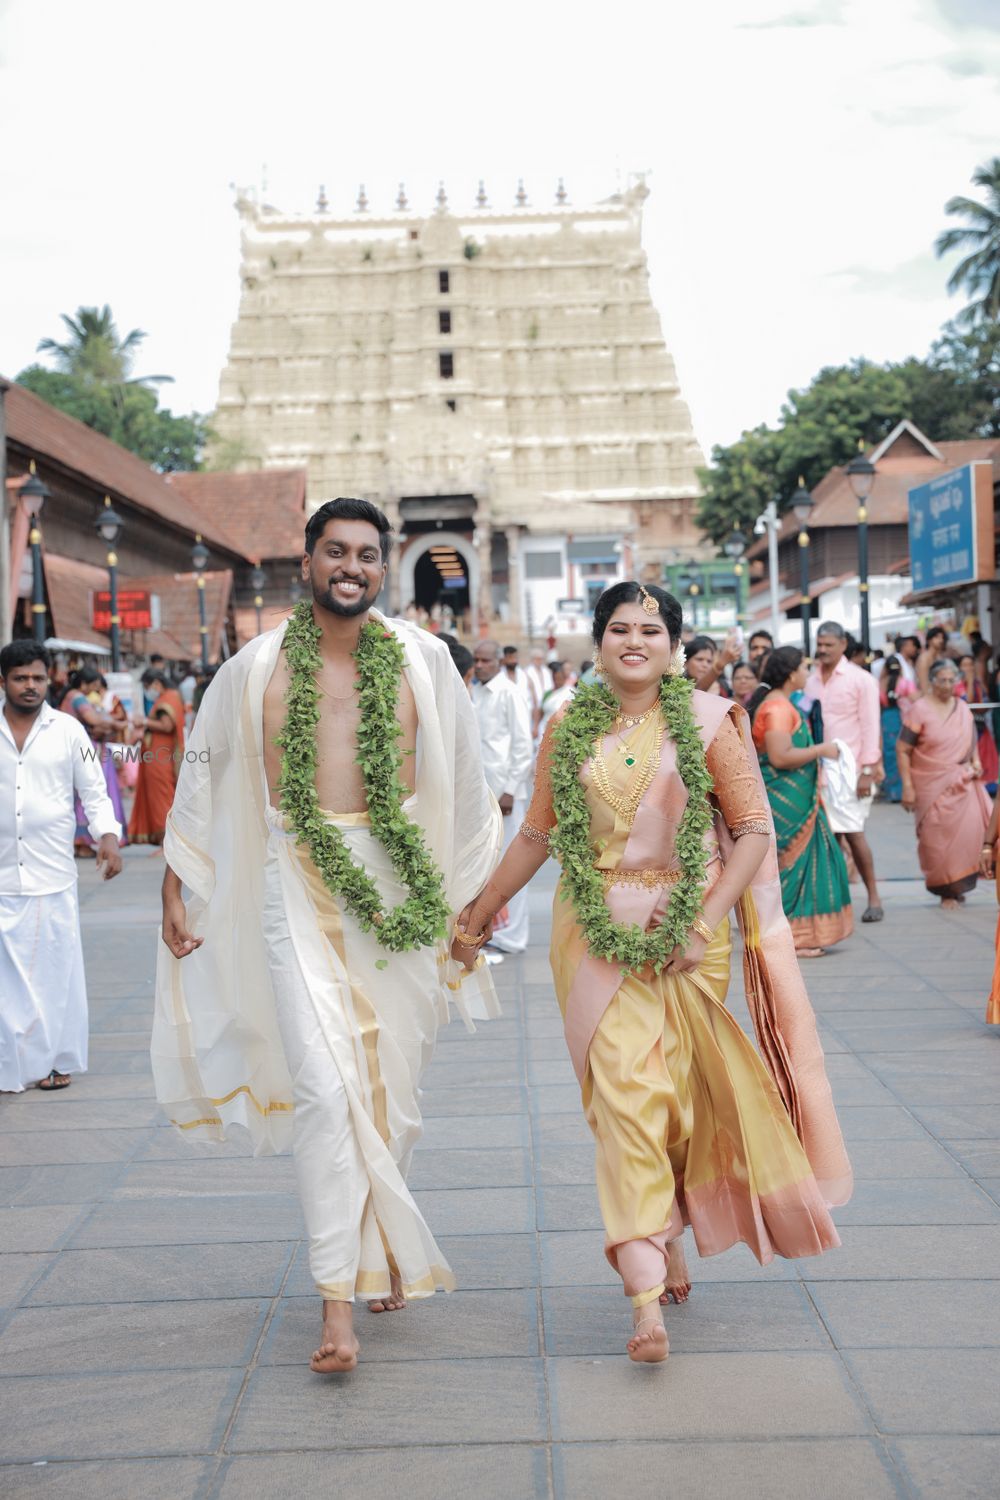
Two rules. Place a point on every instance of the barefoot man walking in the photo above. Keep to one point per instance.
(330, 817)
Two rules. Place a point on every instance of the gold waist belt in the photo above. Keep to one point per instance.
(648, 879)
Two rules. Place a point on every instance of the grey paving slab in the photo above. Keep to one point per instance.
(929, 1314)
(165, 1143)
(190, 1221)
(65, 1112)
(464, 1325)
(576, 1258)
(518, 1471)
(17, 1274)
(37, 1228)
(198, 1177)
(756, 1395)
(475, 1074)
(565, 1165)
(389, 1404)
(40, 1186)
(162, 1273)
(960, 1121)
(980, 1159)
(474, 1101)
(127, 1336)
(107, 1416)
(69, 1147)
(567, 1129)
(468, 1168)
(152, 1478)
(845, 1469)
(949, 1468)
(477, 1132)
(907, 1252)
(877, 1160)
(916, 1200)
(484, 1210)
(719, 1317)
(555, 1099)
(951, 1390)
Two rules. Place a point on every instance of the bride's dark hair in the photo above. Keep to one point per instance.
(630, 593)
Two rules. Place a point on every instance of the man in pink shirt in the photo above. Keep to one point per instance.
(848, 697)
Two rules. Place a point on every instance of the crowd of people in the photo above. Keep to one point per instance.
(350, 819)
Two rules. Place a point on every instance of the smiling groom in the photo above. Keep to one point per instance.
(315, 857)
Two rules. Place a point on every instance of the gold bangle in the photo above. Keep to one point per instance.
(468, 939)
(701, 927)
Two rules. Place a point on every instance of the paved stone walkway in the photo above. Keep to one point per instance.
(158, 1310)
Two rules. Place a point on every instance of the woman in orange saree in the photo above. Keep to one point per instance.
(939, 766)
(161, 751)
(690, 1125)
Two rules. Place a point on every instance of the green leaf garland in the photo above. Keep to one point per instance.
(422, 918)
(588, 719)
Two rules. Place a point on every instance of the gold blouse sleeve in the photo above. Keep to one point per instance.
(737, 789)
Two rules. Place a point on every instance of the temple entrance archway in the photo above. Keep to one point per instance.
(437, 568)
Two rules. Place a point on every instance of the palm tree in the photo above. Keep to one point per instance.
(96, 353)
(979, 272)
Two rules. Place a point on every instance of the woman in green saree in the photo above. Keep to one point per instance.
(814, 889)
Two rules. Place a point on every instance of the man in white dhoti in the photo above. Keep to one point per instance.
(45, 759)
(508, 756)
(330, 817)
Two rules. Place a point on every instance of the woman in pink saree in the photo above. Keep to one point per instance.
(940, 770)
(691, 1127)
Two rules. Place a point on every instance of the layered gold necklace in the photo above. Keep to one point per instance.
(627, 803)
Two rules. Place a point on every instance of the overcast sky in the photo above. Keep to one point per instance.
(799, 154)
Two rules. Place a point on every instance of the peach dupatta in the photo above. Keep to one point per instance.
(952, 808)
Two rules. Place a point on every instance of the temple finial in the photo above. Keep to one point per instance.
(481, 200)
(521, 198)
(402, 202)
(561, 194)
(321, 200)
(442, 198)
(362, 199)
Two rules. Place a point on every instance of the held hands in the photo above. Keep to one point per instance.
(109, 859)
(685, 960)
(506, 804)
(175, 929)
(472, 921)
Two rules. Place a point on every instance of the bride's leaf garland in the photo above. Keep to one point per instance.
(589, 717)
(422, 918)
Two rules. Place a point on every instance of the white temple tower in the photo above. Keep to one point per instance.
(496, 380)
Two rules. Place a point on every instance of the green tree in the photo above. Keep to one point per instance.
(95, 352)
(978, 273)
(128, 414)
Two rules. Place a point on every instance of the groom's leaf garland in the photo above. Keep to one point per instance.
(422, 918)
(589, 717)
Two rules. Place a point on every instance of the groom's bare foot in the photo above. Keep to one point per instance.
(395, 1301)
(648, 1344)
(338, 1351)
(678, 1283)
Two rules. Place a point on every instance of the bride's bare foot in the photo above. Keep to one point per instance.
(678, 1284)
(338, 1351)
(648, 1344)
(395, 1301)
(948, 903)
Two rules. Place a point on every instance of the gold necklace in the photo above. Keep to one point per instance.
(626, 806)
(629, 721)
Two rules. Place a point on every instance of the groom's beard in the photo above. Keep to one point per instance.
(324, 597)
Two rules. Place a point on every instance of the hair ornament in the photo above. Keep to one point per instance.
(649, 604)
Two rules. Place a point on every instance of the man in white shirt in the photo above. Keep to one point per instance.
(907, 650)
(45, 757)
(505, 737)
(562, 690)
(539, 680)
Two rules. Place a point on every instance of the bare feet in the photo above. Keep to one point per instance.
(948, 903)
(338, 1351)
(395, 1301)
(678, 1276)
(810, 953)
(648, 1344)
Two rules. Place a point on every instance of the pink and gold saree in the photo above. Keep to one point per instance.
(691, 1126)
(953, 807)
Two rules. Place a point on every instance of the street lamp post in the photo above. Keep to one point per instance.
(199, 558)
(109, 528)
(802, 504)
(861, 473)
(734, 547)
(34, 494)
(257, 580)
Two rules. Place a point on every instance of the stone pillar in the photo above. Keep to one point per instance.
(514, 591)
(482, 604)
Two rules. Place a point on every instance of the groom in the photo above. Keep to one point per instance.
(340, 799)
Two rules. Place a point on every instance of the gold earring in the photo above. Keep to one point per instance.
(598, 664)
(676, 667)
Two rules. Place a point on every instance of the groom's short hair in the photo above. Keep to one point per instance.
(346, 509)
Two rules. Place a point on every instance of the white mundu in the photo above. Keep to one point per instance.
(43, 992)
(289, 1020)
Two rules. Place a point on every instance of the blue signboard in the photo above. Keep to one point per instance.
(942, 528)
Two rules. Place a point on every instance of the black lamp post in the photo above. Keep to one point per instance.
(802, 503)
(861, 473)
(34, 494)
(199, 558)
(734, 547)
(258, 578)
(109, 528)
